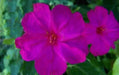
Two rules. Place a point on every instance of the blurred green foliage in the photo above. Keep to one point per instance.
(11, 13)
(116, 67)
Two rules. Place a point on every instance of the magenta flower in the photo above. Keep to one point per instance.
(102, 30)
(52, 38)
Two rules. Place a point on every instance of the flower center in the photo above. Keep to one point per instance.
(100, 30)
(53, 39)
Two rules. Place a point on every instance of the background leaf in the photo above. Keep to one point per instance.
(116, 67)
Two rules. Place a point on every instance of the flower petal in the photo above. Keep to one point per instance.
(112, 27)
(114, 35)
(80, 43)
(97, 15)
(43, 13)
(92, 18)
(71, 54)
(111, 22)
(61, 15)
(101, 13)
(110, 41)
(31, 24)
(30, 46)
(100, 47)
(50, 63)
(90, 33)
(74, 27)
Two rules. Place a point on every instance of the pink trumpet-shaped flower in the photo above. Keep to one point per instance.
(52, 38)
(102, 30)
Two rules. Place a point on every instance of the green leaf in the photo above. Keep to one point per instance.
(11, 53)
(12, 4)
(75, 70)
(6, 71)
(8, 41)
(117, 49)
(28, 68)
(97, 2)
(83, 10)
(6, 61)
(13, 26)
(15, 67)
(93, 60)
(85, 68)
(2, 6)
(116, 67)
